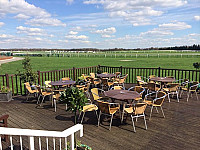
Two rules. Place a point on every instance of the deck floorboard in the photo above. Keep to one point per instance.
(179, 130)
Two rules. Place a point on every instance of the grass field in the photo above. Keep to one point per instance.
(57, 63)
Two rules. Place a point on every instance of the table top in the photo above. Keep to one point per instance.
(106, 75)
(163, 79)
(122, 94)
(61, 83)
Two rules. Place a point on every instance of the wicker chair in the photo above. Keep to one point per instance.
(157, 102)
(106, 109)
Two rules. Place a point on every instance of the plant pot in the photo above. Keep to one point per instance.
(6, 97)
(84, 147)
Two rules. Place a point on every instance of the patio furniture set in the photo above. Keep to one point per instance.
(103, 90)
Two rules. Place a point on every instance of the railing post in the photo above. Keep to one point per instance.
(31, 143)
(159, 71)
(7, 80)
(72, 142)
(74, 73)
(121, 70)
(38, 72)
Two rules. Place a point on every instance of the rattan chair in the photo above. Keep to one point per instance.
(193, 89)
(30, 90)
(136, 110)
(87, 108)
(106, 109)
(42, 94)
(138, 89)
(141, 82)
(172, 88)
(157, 102)
(106, 83)
(95, 94)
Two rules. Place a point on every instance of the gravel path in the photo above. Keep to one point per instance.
(10, 60)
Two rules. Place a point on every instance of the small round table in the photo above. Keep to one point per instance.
(106, 75)
(61, 83)
(123, 95)
(163, 79)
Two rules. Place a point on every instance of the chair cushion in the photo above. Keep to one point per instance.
(90, 107)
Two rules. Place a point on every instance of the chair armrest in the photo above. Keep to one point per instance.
(131, 88)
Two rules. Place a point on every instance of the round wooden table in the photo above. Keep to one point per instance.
(61, 83)
(163, 79)
(123, 95)
(106, 75)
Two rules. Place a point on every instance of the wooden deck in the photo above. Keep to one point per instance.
(179, 130)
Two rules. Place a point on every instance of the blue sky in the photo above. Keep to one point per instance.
(99, 23)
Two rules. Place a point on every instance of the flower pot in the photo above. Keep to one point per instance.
(6, 97)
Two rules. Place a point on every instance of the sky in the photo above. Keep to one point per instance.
(99, 23)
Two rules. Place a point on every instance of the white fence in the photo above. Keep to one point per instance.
(33, 134)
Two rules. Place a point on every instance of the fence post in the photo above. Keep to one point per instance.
(159, 71)
(38, 77)
(7, 80)
(121, 70)
(74, 73)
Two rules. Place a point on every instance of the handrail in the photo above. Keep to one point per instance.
(31, 133)
(45, 133)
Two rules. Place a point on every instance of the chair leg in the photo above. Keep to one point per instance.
(168, 97)
(133, 124)
(99, 118)
(82, 117)
(181, 93)
(27, 97)
(55, 104)
(188, 95)
(38, 99)
(151, 112)
(162, 111)
(145, 123)
(157, 110)
(42, 101)
(177, 96)
(122, 115)
(111, 122)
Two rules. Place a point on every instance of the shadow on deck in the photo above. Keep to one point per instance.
(179, 130)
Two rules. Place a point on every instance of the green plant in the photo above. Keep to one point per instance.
(28, 75)
(99, 71)
(5, 89)
(196, 65)
(79, 146)
(75, 100)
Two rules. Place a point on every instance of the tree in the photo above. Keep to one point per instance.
(28, 75)
(196, 65)
(75, 100)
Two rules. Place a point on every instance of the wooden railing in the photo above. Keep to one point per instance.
(17, 86)
(192, 75)
(40, 139)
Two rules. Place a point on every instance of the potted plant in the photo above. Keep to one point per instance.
(28, 75)
(75, 100)
(5, 94)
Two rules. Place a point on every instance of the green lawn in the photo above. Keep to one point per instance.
(57, 63)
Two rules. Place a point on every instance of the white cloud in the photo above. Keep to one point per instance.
(30, 31)
(21, 16)
(175, 26)
(76, 37)
(69, 2)
(130, 10)
(22, 7)
(197, 18)
(45, 22)
(166, 29)
(40, 17)
(73, 32)
(156, 32)
(1, 24)
(106, 32)
(4, 36)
